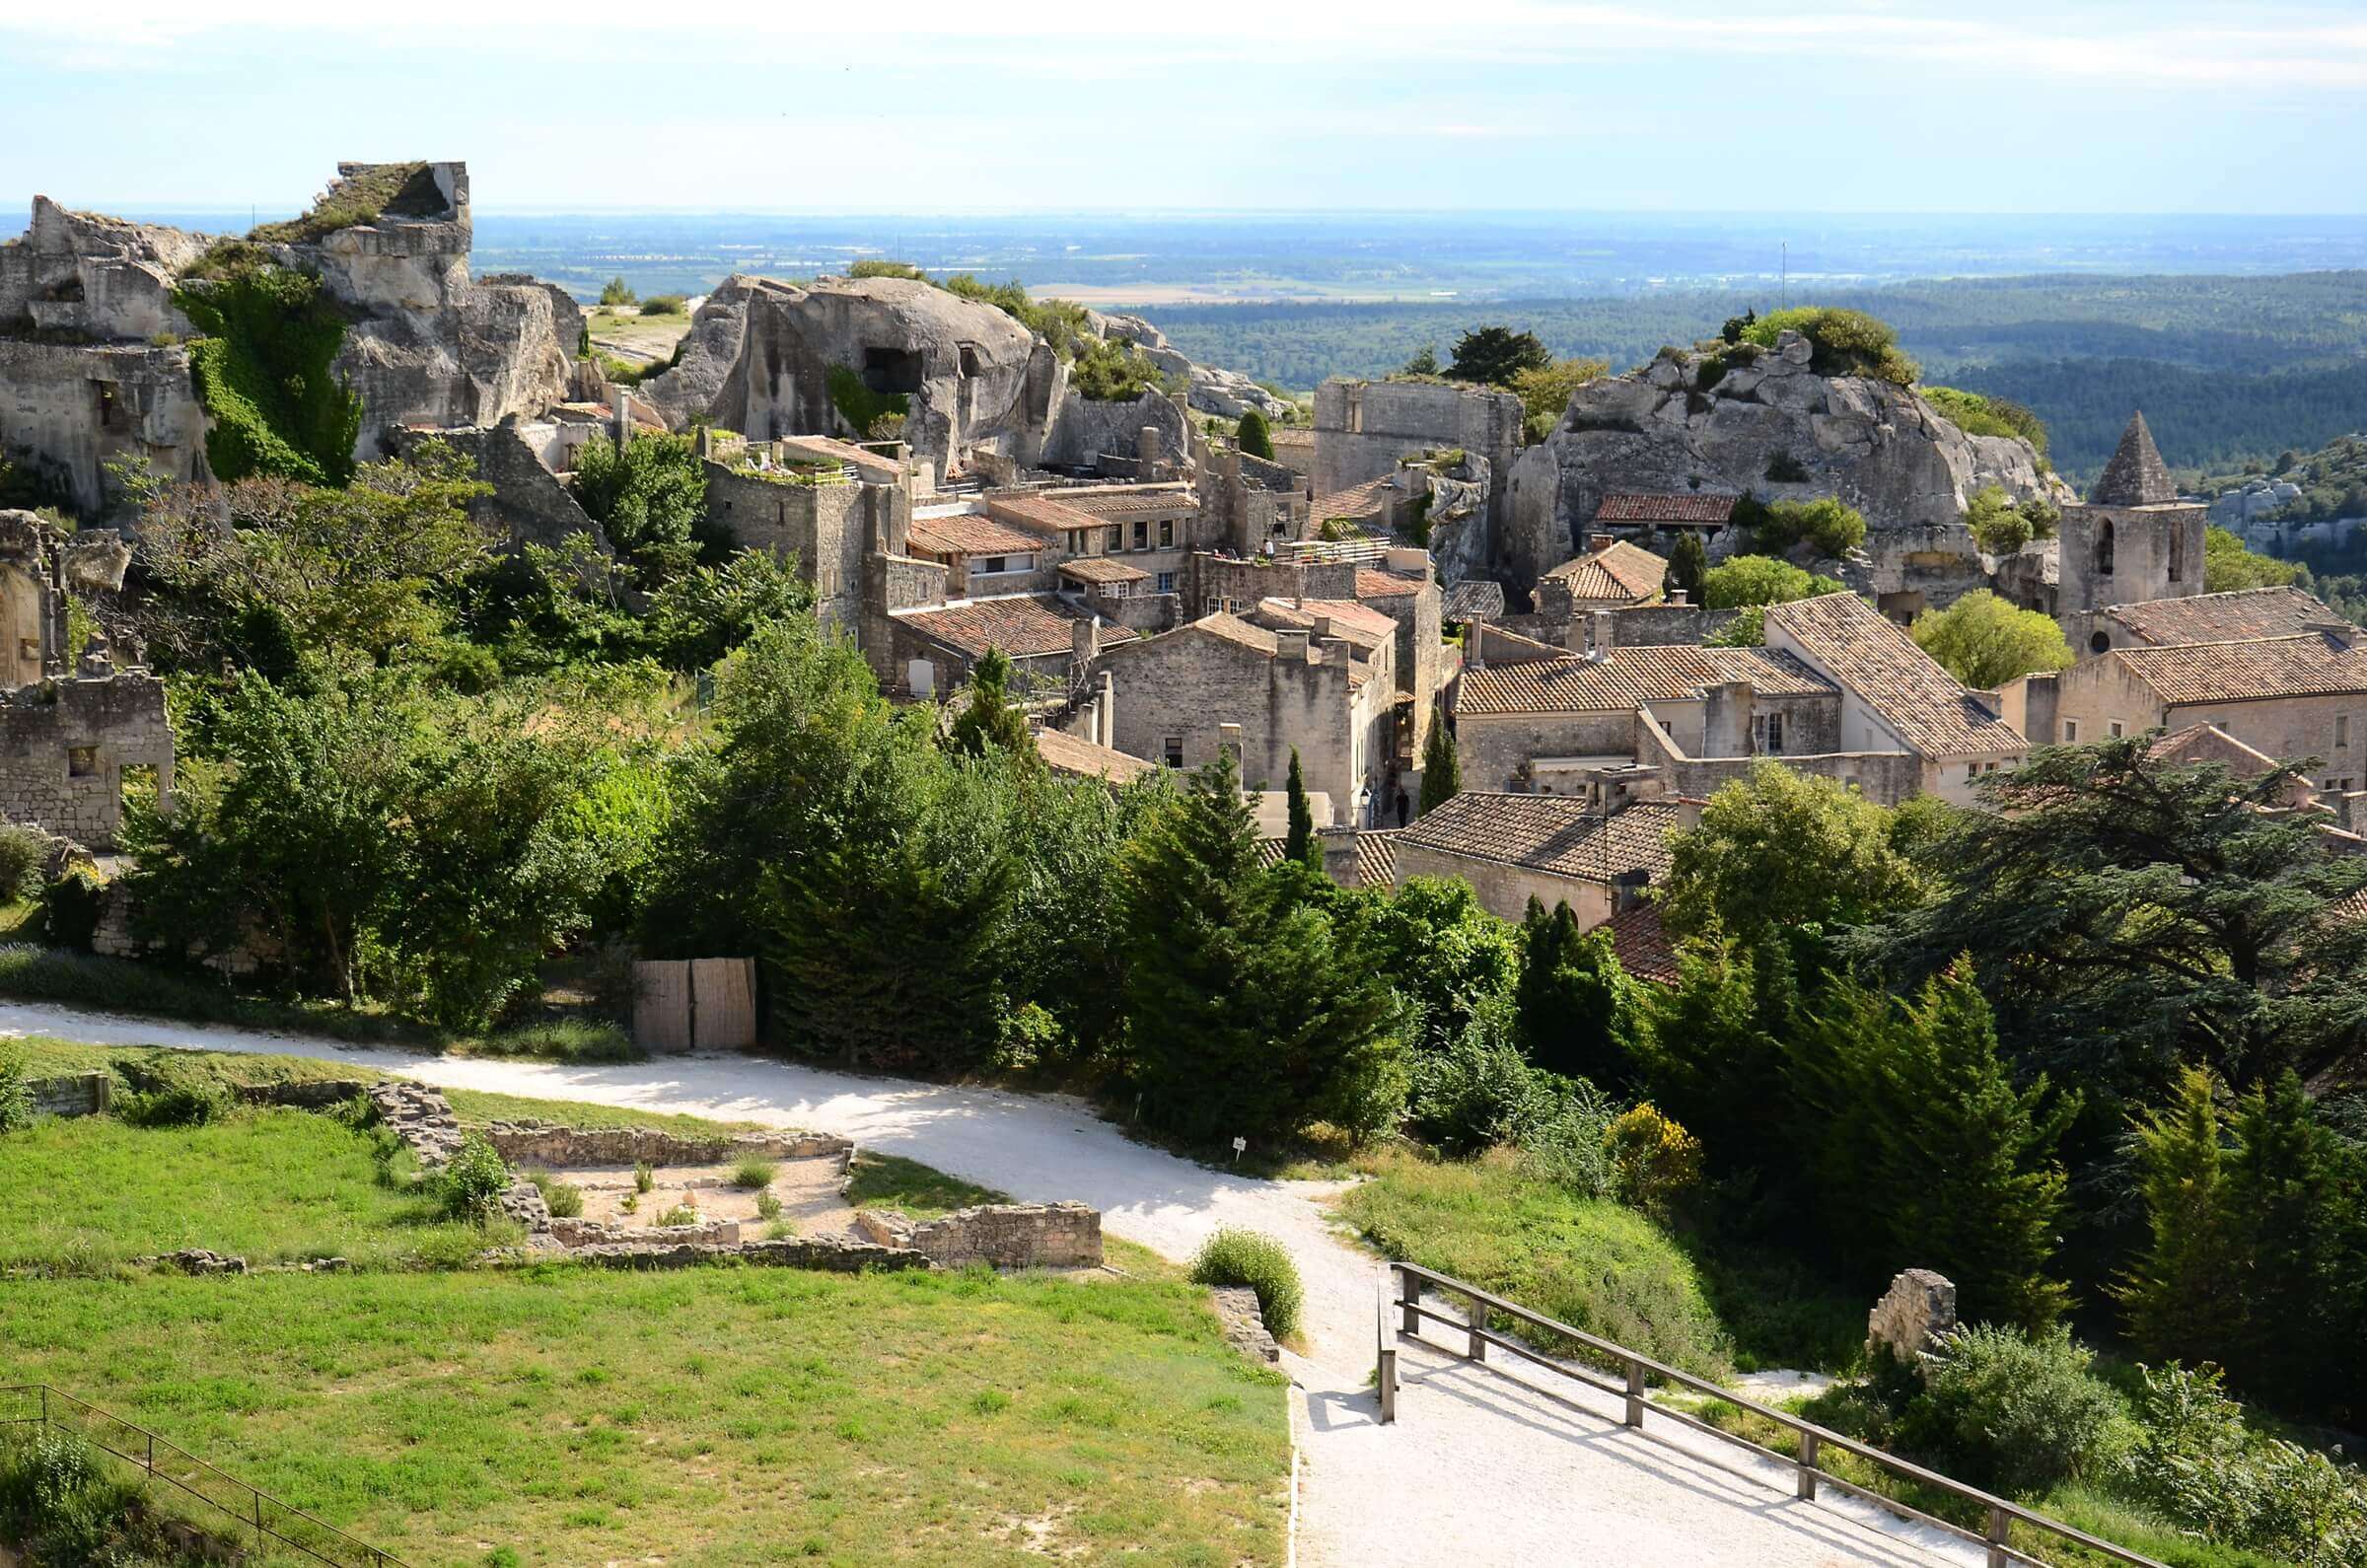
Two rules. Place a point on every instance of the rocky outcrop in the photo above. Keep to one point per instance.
(1912, 1315)
(1759, 424)
(1224, 392)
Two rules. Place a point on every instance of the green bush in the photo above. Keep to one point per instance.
(71, 907)
(1263, 1264)
(1111, 370)
(1824, 523)
(2199, 1465)
(1478, 1090)
(266, 371)
(664, 305)
(643, 1176)
(22, 853)
(1843, 342)
(15, 1095)
(564, 1199)
(172, 1094)
(769, 1207)
(470, 1187)
(1978, 414)
(2010, 1413)
(679, 1217)
(563, 1039)
(754, 1174)
(862, 408)
(1743, 580)
(616, 292)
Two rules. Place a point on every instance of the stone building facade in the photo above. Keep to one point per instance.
(1362, 428)
(2132, 542)
(1599, 851)
(70, 749)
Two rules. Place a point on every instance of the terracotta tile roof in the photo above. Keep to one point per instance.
(1361, 624)
(1232, 629)
(1357, 501)
(1642, 945)
(1553, 834)
(2223, 617)
(1473, 600)
(2207, 743)
(1078, 759)
(1628, 507)
(970, 534)
(1626, 678)
(1132, 501)
(1023, 625)
(1376, 857)
(1101, 569)
(1038, 512)
(1500, 647)
(1374, 583)
(1627, 573)
(1857, 646)
(2312, 665)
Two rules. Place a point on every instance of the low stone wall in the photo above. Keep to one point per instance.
(540, 1143)
(1243, 1324)
(830, 1254)
(1004, 1235)
(80, 1095)
(422, 1117)
(600, 1233)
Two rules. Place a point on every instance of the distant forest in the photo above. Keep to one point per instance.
(2228, 370)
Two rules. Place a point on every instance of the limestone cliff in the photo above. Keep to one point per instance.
(1759, 423)
(1224, 392)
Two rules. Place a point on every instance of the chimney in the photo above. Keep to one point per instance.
(1675, 598)
(1105, 713)
(1334, 651)
(1604, 638)
(2342, 631)
(1148, 447)
(1475, 646)
(621, 407)
(1726, 714)
(1228, 741)
(1597, 542)
(1290, 644)
(1085, 638)
(1321, 629)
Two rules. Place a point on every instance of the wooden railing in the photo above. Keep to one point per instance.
(249, 1509)
(1401, 1298)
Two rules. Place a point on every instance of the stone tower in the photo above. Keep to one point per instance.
(2133, 540)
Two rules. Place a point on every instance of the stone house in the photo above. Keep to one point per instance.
(2132, 542)
(2292, 697)
(829, 503)
(1181, 692)
(1650, 513)
(1896, 699)
(1363, 427)
(71, 749)
(1613, 574)
(1596, 851)
(932, 648)
(1152, 528)
(982, 556)
(1546, 724)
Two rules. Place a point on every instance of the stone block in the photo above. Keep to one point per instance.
(1918, 1308)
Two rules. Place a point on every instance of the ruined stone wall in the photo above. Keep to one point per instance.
(826, 526)
(1003, 1235)
(541, 1143)
(1363, 427)
(1083, 429)
(65, 745)
(67, 412)
(529, 504)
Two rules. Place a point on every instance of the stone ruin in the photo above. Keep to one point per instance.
(1912, 1315)
(1003, 1235)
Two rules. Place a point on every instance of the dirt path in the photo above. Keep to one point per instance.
(1478, 1469)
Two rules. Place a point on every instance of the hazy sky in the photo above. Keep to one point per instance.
(2073, 105)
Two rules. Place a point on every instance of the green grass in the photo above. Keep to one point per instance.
(477, 1107)
(1589, 1263)
(272, 1187)
(884, 1182)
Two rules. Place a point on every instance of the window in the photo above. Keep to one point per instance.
(1142, 535)
(1076, 542)
(2342, 729)
(1114, 541)
(2177, 554)
(2097, 642)
(994, 563)
(2070, 731)
(1167, 530)
(1774, 735)
(970, 359)
(1170, 750)
(2104, 549)
(81, 762)
(1166, 582)
(2116, 729)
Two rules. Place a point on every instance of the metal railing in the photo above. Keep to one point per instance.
(249, 1509)
(1401, 1293)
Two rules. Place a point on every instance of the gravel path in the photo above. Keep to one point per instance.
(1480, 1467)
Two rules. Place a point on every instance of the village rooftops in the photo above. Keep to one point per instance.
(2257, 670)
(2223, 617)
(1061, 511)
(1258, 641)
(1642, 945)
(1356, 502)
(1361, 624)
(1378, 581)
(1619, 571)
(1847, 640)
(1067, 754)
(970, 534)
(1022, 626)
(1625, 678)
(1474, 598)
(1101, 569)
(1559, 835)
(1711, 511)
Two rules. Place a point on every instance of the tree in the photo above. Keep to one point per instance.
(1249, 1015)
(1545, 392)
(1302, 846)
(2130, 914)
(1828, 525)
(698, 617)
(2283, 1206)
(1447, 956)
(2227, 566)
(1779, 850)
(2180, 1296)
(988, 720)
(1575, 1002)
(1743, 580)
(616, 292)
(651, 497)
(1710, 1049)
(1442, 769)
(2000, 526)
(1984, 641)
(1495, 355)
(1253, 436)
(1423, 363)
(1688, 567)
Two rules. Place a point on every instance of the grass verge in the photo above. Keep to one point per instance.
(884, 1181)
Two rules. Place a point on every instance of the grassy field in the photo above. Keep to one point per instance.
(567, 1415)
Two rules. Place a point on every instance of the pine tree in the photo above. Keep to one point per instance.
(2179, 1298)
(1572, 1000)
(989, 718)
(1302, 846)
(2279, 1215)
(1688, 566)
(1249, 1014)
(1442, 770)
(1253, 436)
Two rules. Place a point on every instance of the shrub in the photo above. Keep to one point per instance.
(664, 305)
(1253, 436)
(1784, 468)
(1824, 524)
(630, 1203)
(71, 907)
(616, 292)
(472, 1184)
(1657, 1160)
(2197, 1463)
(1479, 1090)
(1247, 1258)
(1978, 414)
(2010, 1413)
(857, 404)
(171, 1093)
(753, 1174)
(1744, 580)
(1842, 342)
(678, 1217)
(564, 1199)
(15, 1096)
(22, 852)
(769, 1207)
(643, 1176)
(564, 1039)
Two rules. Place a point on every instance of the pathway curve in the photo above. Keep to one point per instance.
(1480, 1467)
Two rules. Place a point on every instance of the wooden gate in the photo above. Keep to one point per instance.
(703, 1004)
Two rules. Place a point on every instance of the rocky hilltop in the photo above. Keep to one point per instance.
(1759, 422)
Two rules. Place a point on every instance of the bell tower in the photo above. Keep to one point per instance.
(2131, 540)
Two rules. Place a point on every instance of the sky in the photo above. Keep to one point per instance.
(1694, 105)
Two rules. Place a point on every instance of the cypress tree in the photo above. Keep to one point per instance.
(988, 717)
(1302, 846)
(2179, 1298)
(1571, 1001)
(1688, 566)
(2279, 1217)
(1253, 436)
(1442, 770)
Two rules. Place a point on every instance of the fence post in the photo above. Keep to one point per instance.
(1412, 1289)
(1478, 1319)
(1635, 1393)
(151, 1452)
(1997, 1533)
(1808, 1468)
(1384, 1377)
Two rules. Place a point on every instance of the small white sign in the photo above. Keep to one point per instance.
(1238, 1144)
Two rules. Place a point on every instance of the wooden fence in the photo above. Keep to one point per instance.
(1400, 1296)
(694, 1004)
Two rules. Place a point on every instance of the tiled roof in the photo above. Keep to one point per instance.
(1361, 624)
(1066, 754)
(970, 534)
(1642, 945)
(2312, 665)
(1038, 512)
(2207, 743)
(1374, 583)
(1619, 571)
(1023, 625)
(1232, 629)
(1633, 508)
(1101, 569)
(1474, 599)
(1626, 678)
(872, 462)
(2135, 476)
(1500, 647)
(2223, 617)
(1131, 500)
(1861, 649)
(1376, 857)
(1357, 501)
(1553, 834)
